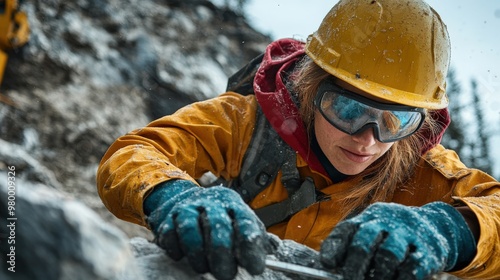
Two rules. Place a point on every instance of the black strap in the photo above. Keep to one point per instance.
(262, 161)
(290, 177)
(266, 155)
(304, 197)
(242, 81)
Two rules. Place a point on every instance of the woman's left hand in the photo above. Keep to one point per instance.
(392, 241)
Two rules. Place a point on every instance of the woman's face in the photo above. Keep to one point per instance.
(349, 154)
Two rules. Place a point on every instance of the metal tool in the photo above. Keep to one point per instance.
(301, 270)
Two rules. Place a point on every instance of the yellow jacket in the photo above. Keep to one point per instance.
(213, 136)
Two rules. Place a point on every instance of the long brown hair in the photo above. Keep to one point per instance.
(379, 181)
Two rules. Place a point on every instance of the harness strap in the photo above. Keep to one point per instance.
(242, 81)
(262, 162)
(304, 197)
(265, 156)
(290, 177)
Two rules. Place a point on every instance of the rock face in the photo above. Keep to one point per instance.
(155, 265)
(53, 236)
(94, 70)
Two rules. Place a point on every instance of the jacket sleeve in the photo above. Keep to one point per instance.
(211, 135)
(481, 193)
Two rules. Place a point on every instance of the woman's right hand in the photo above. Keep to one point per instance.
(213, 227)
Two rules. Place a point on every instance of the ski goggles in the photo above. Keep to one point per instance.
(352, 113)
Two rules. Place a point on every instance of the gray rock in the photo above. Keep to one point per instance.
(156, 265)
(94, 70)
(53, 236)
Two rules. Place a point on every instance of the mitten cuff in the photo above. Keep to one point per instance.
(165, 191)
(460, 238)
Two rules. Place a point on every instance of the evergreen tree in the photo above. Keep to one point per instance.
(481, 153)
(470, 140)
(454, 137)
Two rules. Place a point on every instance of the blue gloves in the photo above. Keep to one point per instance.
(392, 241)
(213, 227)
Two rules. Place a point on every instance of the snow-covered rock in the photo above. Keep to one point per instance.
(94, 70)
(53, 236)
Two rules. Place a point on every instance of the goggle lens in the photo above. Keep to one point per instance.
(352, 113)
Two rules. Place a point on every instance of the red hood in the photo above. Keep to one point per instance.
(283, 114)
(275, 100)
(442, 118)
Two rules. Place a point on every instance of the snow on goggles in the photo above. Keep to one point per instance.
(352, 113)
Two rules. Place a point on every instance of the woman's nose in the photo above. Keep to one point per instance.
(365, 137)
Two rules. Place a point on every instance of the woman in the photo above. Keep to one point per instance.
(362, 106)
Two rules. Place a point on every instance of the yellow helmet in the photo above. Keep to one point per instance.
(396, 50)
